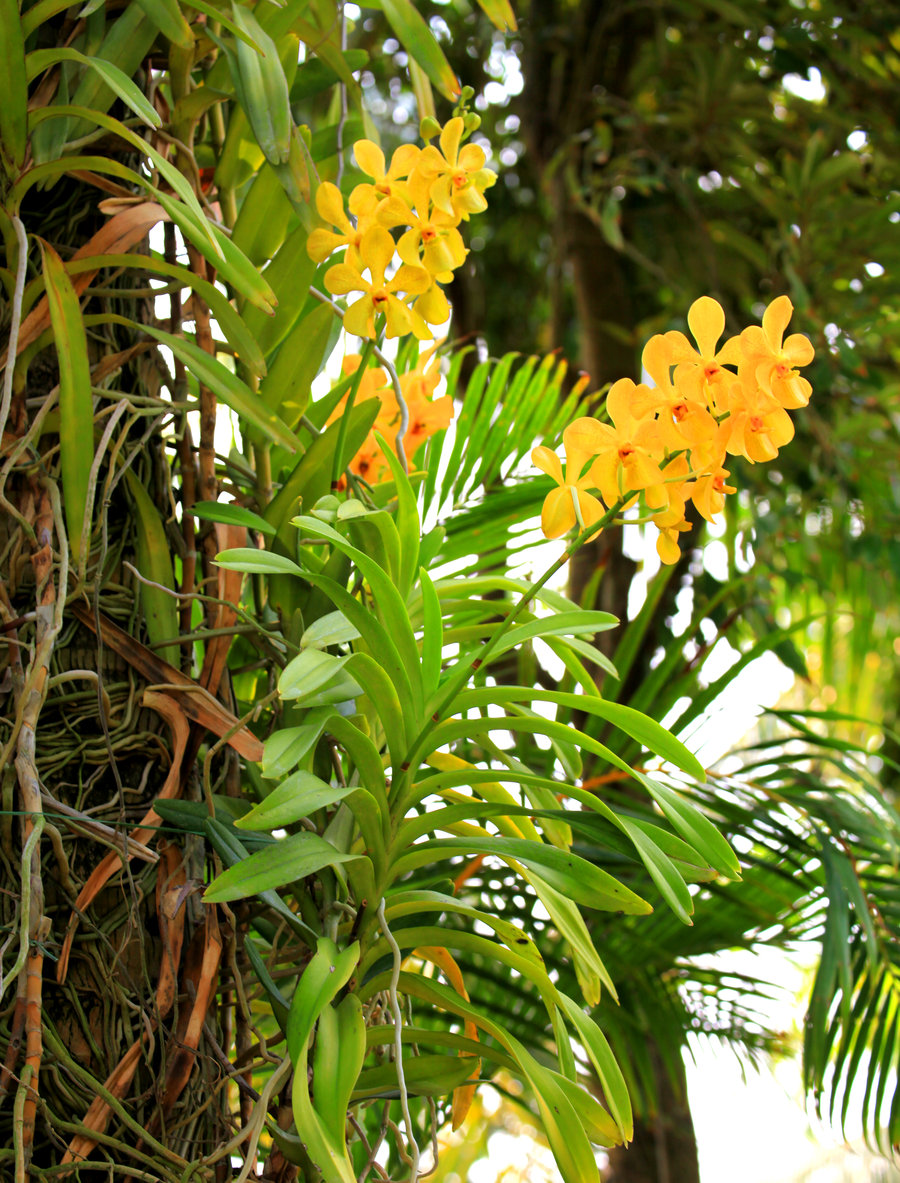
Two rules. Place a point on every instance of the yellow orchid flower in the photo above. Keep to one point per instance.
(376, 250)
(757, 425)
(774, 363)
(386, 182)
(703, 377)
(628, 453)
(685, 420)
(558, 514)
(456, 175)
(709, 490)
(670, 525)
(432, 240)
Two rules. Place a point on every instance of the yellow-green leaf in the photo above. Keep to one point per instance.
(169, 19)
(418, 40)
(118, 81)
(14, 106)
(500, 12)
(159, 609)
(76, 412)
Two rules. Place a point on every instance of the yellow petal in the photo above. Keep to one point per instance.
(377, 250)
(590, 507)
(547, 461)
(370, 158)
(755, 343)
(410, 279)
(433, 306)
(588, 436)
(656, 359)
(472, 158)
(798, 350)
(775, 320)
(393, 211)
(680, 348)
(321, 243)
(667, 547)
(450, 137)
(360, 318)
(330, 205)
(397, 319)
(404, 161)
(624, 398)
(408, 247)
(341, 279)
(707, 322)
(558, 513)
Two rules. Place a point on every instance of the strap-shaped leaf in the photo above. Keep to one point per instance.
(159, 607)
(285, 749)
(117, 80)
(327, 972)
(565, 871)
(639, 726)
(232, 851)
(76, 409)
(287, 390)
(418, 40)
(284, 862)
(424, 1075)
(379, 641)
(14, 108)
(168, 18)
(227, 318)
(297, 797)
(257, 562)
(389, 605)
(230, 514)
(339, 1054)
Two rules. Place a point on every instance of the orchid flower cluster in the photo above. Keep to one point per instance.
(426, 414)
(427, 191)
(667, 444)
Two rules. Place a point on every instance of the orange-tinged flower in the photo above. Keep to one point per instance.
(427, 414)
(774, 363)
(703, 377)
(432, 240)
(670, 525)
(456, 175)
(684, 418)
(708, 492)
(558, 514)
(627, 454)
(756, 426)
(386, 182)
(376, 250)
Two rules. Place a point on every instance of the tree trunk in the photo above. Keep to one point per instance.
(566, 58)
(664, 1149)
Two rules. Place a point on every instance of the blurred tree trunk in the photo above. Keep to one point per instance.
(568, 53)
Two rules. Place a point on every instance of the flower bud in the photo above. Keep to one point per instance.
(429, 128)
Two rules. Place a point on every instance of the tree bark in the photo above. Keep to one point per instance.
(664, 1149)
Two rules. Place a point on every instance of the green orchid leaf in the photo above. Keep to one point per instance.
(284, 862)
